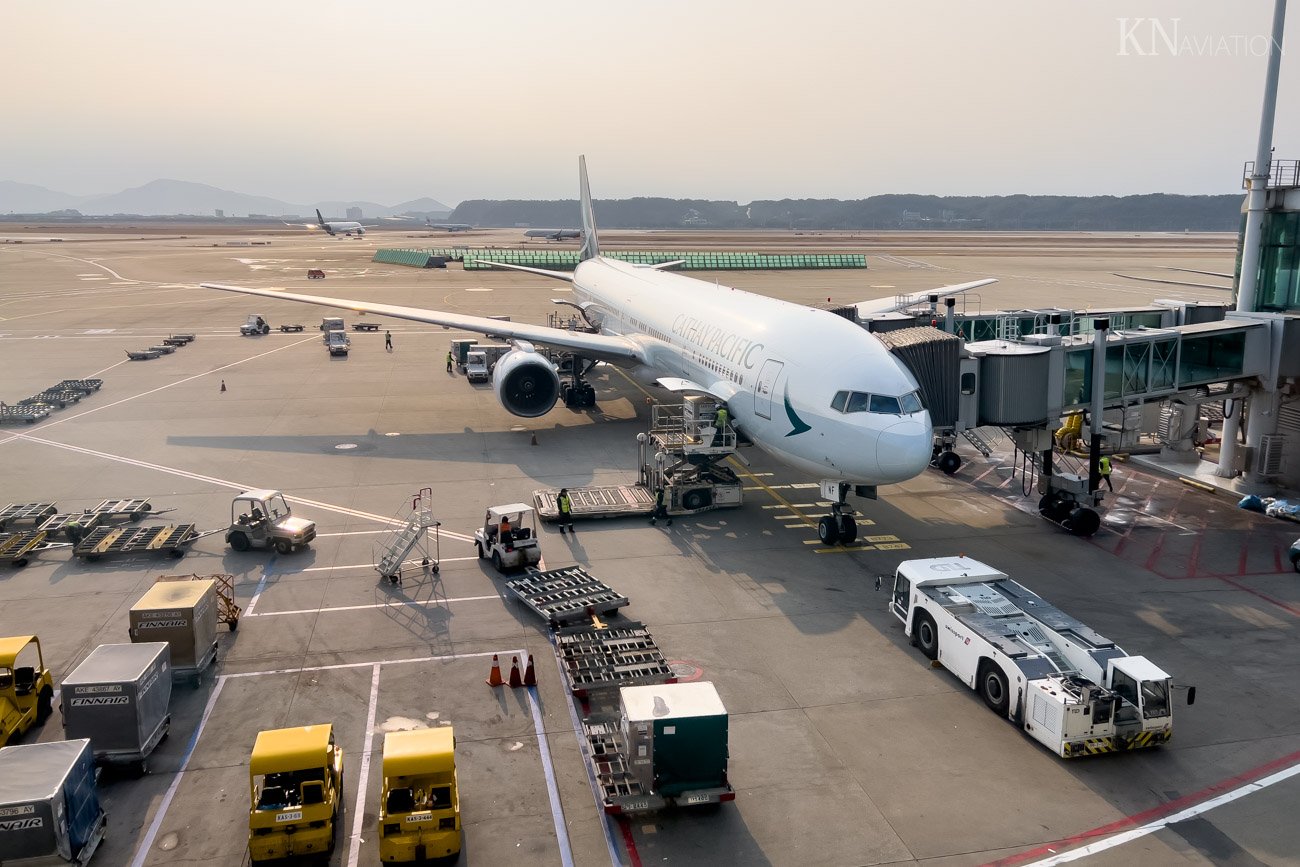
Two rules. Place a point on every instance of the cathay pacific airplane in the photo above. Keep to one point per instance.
(809, 387)
(335, 227)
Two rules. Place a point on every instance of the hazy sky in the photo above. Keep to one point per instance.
(723, 100)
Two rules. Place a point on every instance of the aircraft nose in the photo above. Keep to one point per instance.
(903, 450)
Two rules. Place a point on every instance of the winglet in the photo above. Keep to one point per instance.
(590, 246)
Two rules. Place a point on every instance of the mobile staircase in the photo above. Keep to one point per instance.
(409, 533)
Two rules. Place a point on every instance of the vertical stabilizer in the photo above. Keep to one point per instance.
(590, 246)
(319, 219)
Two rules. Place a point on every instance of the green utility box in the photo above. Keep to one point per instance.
(676, 737)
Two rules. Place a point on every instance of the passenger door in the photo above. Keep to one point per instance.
(764, 386)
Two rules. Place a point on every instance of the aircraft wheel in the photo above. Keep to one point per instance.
(926, 635)
(949, 463)
(993, 689)
(848, 529)
(828, 530)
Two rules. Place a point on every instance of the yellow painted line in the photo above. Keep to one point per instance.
(874, 539)
(842, 550)
(796, 505)
(893, 546)
(787, 517)
(798, 526)
(805, 485)
(764, 486)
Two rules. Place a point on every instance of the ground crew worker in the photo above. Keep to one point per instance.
(566, 509)
(661, 511)
(449, 361)
(503, 532)
(1104, 469)
(720, 423)
(388, 340)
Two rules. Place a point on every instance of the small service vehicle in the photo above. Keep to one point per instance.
(515, 548)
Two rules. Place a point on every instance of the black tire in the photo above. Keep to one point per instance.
(496, 561)
(239, 542)
(848, 529)
(994, 689)
(176, 553)
(1295, 562)
(828, 530)
(1082, 522)
(284, 546)
(234, 624)
(949, 463)
(478, 547)
(266, 329)
(926, 635)
(44, 705)
(20, 562)
(697, 499)
(135, 516)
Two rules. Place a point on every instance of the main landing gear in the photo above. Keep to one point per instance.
(578, 392)
(838, 527)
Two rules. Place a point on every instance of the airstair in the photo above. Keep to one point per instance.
(409, 534)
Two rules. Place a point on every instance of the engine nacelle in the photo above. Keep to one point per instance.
(525, 383)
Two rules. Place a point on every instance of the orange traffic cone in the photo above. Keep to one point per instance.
(515, 682)
(530, 676)
(494, 679)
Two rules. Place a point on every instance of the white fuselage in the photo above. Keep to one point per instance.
(780, 366)
(335, 227)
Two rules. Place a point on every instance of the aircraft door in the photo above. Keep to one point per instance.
(764, 386)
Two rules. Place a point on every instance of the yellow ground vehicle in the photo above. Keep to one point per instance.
(419, 811)
(296, 792)
(26, 686)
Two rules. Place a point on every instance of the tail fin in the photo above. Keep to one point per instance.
(319, 218)
(590, 246)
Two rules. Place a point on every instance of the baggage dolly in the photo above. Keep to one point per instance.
(86, 386)
(17, 548)
(567, 595)
(172, 539)
(294, 327)
(25, 514)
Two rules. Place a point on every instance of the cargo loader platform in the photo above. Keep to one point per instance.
(621, 654)
(611, 501)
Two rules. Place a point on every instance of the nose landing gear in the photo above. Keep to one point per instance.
(839, 527)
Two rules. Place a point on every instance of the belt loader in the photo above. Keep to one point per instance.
(1068, 687)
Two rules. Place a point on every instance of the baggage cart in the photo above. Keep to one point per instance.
(82, 385)
(119, 698)
(29, 414)
(567, 595)
(25, 514)
(173, 540)
(18, 547)
(624, 653)
(49, 803)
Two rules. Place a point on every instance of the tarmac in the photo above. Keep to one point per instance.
(846, 748)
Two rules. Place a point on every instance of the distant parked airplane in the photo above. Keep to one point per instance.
(554, 234)
(448, 227)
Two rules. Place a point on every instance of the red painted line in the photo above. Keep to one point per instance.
(1241, 559)
(1150, 564)
(626, 828)
(1285, 606)
(1157, 812)
(1277, 557)
(1194, 559)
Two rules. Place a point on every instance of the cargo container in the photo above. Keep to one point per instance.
(49, 806)
(183, 614)
(119, 698)
(667, 745)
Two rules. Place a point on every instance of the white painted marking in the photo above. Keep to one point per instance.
(358, 815)
(552, 790)
(367, 566)
(1151, 827)
(478, 289)
(410, 602)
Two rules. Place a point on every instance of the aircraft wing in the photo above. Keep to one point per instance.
(596, 346)
(899, 302)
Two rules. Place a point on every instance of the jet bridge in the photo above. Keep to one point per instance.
(1165, 359)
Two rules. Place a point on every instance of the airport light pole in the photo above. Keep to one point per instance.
(1252, 235)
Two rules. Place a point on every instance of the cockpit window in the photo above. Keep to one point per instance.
(886, 405)
(881, 404)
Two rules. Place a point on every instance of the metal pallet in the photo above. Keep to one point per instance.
(171, 539)
(622, 654)
(63, 524)
(598, 502)
(31, 514)
(132, 508)
(567, 595)
(29, 414)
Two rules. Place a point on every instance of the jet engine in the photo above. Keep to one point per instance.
(526, 383)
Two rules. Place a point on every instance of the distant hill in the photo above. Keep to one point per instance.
(1157, 212)
(166, 197)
